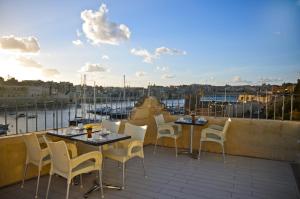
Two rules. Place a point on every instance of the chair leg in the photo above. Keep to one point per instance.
(38, 182)
(100, 183)
(155, 145)
(24, 175)
(175, 140)
(123, 178)
(223, 153)
(48, 187)
(81, 184)
(199, 153)
(68, 189)
(143, 162)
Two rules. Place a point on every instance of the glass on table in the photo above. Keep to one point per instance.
(97, 136)
(68, 131)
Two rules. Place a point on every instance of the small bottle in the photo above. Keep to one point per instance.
(193, 117)
(89, 132)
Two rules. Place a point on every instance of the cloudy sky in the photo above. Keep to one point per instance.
(163, 42)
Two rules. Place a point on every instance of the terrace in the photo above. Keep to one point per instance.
(258, 157)
(182, 177)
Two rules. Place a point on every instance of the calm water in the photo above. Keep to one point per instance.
(51, 118)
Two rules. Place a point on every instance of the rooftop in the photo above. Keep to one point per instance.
(182, 177)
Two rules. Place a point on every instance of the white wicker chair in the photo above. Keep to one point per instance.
(129, 149)
(64, 166)
(167, 129)
(215, 133)
(111, 125)
(36, 156)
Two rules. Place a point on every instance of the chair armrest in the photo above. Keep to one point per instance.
(216, 127)
(132, 144)
(170, 123)
(211, 131)
(45, 152)
(97, 156)
(166, 127)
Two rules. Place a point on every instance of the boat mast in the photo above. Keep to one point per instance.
(84, 97)
(124, 92)
(94, 101)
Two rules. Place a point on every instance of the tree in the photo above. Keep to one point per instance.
(297, 97)
(12, 82)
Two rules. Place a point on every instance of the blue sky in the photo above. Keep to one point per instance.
(163, 42)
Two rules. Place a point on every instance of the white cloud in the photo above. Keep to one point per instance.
(28, 62)
(19, 44)
(140, 73)
(169, 51)
(78, 33)
(49, 72)
(105, 57)
(167, 76)
(147, 57)
(162, 68)
(77, 42)
(99, 30)
(267, 80)
(239, 80)
(150, 57)
(93, 68)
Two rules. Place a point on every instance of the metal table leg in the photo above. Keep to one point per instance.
(96, 185)
(191, 139)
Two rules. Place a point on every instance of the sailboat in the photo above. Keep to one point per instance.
(3, 129)
(82, 119)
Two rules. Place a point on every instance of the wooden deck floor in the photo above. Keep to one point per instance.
(182, 177)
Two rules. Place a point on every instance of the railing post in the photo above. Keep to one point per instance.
(61, 114)
(282, 109)
(258, 106)
(17, 117)
(244, 109)
(275, 107)
(26, 119)
(172, 104)
(292, 101)
(5, 115)
(236, 111)
(190, 101)
(251, 107)
(56, 113)
(201, 106)
(208, 109)
(266, 105)
(45, 112)
(222, 110)
(95, 105)
(215, 104)
(36, 116)
(178, 104)
(53, 115)
(69, 112)
(106, 106)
